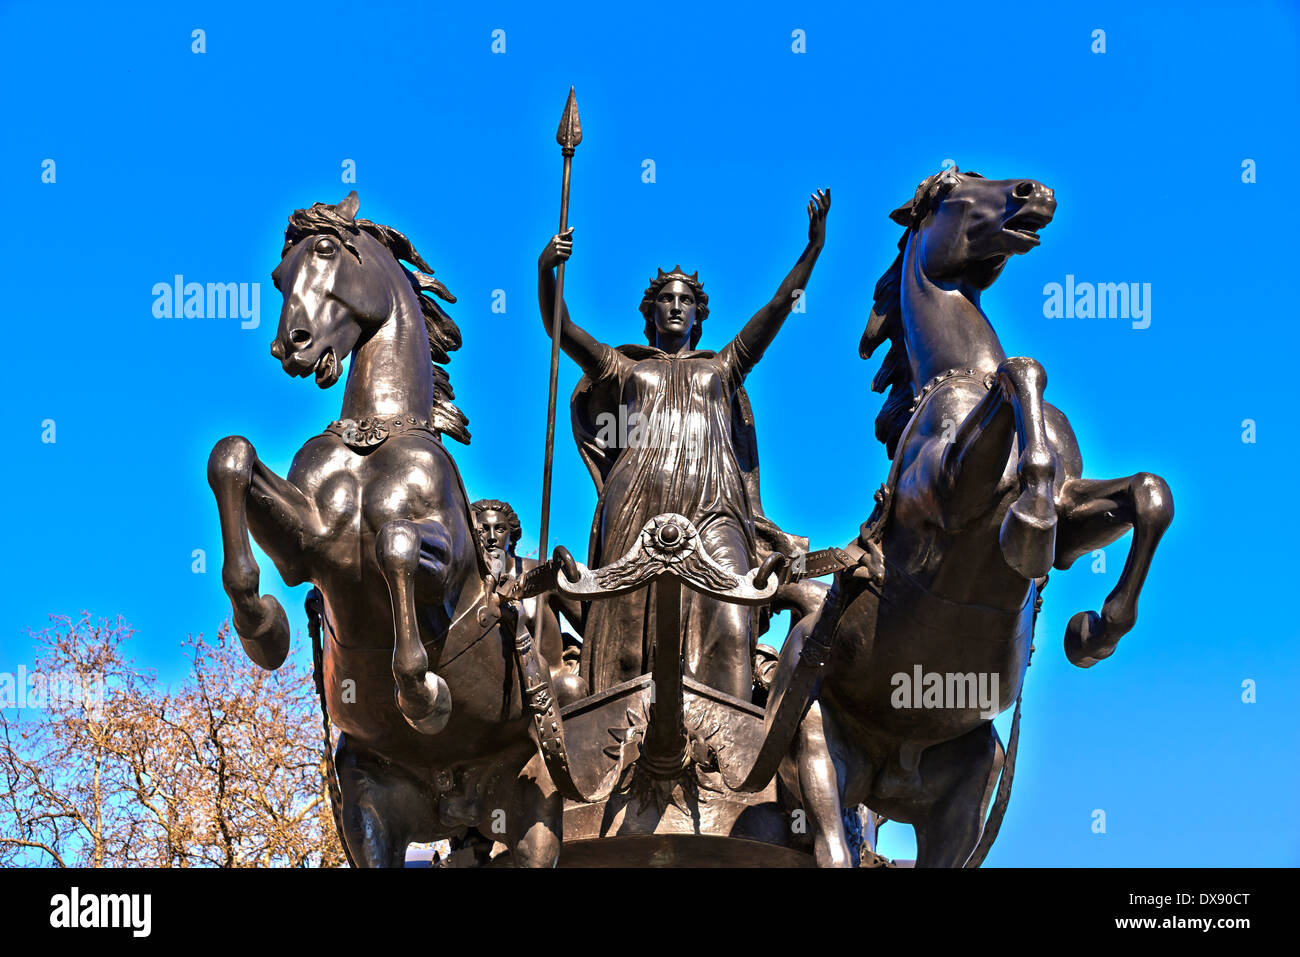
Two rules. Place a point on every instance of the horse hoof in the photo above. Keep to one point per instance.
(1028, 536)
(266, 637)
(1083, 645)
(439, 714)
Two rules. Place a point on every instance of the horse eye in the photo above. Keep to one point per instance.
(324, 247)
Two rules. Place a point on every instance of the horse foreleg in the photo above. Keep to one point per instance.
(283, 521)
(973, 465)
(1028, 533)
(1095, 513)
(260, 622)
(406, 550)
(535, 826)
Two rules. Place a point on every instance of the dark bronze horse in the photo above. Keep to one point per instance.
(932, 628)
(435, 741)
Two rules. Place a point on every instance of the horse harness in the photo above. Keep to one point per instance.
(368, 433)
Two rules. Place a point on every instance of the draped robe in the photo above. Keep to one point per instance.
(695, 454)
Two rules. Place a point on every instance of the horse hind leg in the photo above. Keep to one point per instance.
(383, 809)
(535, 826)
(1094, 514)
(959, 777)
(406, 550)
(260, 622)
(1028, 533)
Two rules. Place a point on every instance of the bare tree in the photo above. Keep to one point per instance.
(226, 770)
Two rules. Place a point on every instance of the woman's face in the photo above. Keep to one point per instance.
(674, 311)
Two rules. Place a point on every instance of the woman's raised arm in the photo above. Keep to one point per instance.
(751, 342)
(580, 346)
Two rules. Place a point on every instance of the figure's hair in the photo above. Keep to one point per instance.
(496, 505)
(340, 222)
(652, 293)
(886, 320)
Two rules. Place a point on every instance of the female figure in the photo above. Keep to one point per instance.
(659, 426)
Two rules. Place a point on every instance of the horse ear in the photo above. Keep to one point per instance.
(903, 215)
(349, 206)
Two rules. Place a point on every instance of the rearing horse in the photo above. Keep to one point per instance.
(984, 498)
(434, 738)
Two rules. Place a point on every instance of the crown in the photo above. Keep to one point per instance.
(677, 273)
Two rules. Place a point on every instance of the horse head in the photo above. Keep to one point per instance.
(341, 278)
(330, 297)
(966, 227)
(959, 231)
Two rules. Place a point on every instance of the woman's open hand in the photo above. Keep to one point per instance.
(818, 207)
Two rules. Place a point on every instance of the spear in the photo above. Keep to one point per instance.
(568, 136)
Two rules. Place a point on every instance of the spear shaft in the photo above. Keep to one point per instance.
(568, 136)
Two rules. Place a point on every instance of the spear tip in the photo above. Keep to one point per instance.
(569, 134)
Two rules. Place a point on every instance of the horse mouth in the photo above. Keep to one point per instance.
(1026, 224)
(327, 369)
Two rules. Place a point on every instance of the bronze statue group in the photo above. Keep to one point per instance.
(657, 729)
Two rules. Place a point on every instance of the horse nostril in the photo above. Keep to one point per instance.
(1023, 189)
(300, 337)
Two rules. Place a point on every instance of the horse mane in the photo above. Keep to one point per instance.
(895, 372)
(886, 319)
(444, 335)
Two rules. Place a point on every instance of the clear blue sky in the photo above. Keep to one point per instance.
(169, 162)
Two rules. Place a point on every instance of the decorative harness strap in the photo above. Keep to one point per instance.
(504, 600)
(372, 431)
(999, 809)
(315, 608)
(539, 701)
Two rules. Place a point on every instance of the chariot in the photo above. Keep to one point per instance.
(662, 769)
